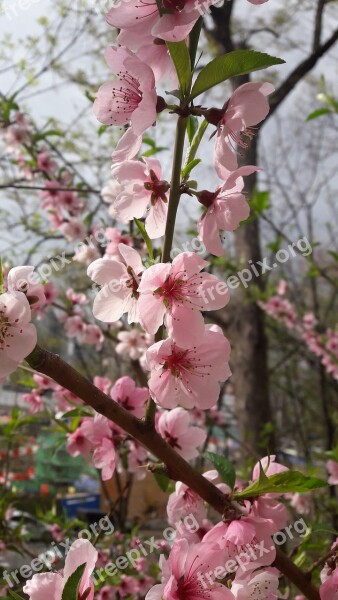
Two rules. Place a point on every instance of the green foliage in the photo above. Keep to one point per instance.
(281, 483)
(146, 238)
(224, 467)
(238, 62)
(181, 58)
(71, 589)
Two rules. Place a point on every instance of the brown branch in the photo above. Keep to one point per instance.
(53, 366)
(299, 73)
(318, 24)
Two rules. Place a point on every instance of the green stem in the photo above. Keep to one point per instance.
(175, 190)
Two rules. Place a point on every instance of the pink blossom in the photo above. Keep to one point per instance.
(225, 209)
(128, 146)
(17, 335)
(86, 254)
(34, 401)
(132, 398)
(133, 343)
(144, 19)
(137, 458)
(261, 584)
(104, 458)
(189, 377)
(114, 238)
(184, 501)
(235, 536)
(332, 467)
(103, 383)
(183, 574)
(178, 292)
(132, 98)
(302, 503)
(329, 589)
(51, 585)
(77, 443)
(120, 281)
(50, 292)
(153, 53)
(247, 106)
(92, 335)
(95, 429)
(142, 188)
(45, 163)
(74, 326)
(72, 229)
(75, 297)
(56, 532)
(23, 279)
(175, 427)
(109, 194)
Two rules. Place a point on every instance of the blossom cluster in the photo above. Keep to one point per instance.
(323, 345)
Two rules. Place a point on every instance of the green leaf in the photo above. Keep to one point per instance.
(281, 483)
(15, 595)
(146, 238)
(334, 255)
(229, 65)
(318, 113)
(181, 58)
(189, 167)
(224, 468)
(71, 589)
(102, 129)
(162, 481)
(192, 127)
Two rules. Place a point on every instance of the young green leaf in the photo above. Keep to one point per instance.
(181, 58)
(189, 167)
(146, 238)
(224, 468)
(318, 113)
(15, 595)
(192, 127)
(238, 62)
(281, 483)
(71, 589)
(162, 481)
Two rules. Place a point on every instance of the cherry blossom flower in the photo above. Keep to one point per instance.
(51, 585)
(329, 589)
(23, 279)
(175, 427)
(115, 237)
(45, 163)
(133, 343)
(183, 574)
(104, 458)
(120, 281)
(225, 209)
(189, 377)
(332, 467)
(103, 383)
(132, 398)
(257, 586)
(34, 401)
(184, 501)
(152, 51)
(178, 292)
(142, 187)
(78, 443)
(144, 18)
(17, 335)
(109, 194)
(72, 229)
(132, 97)
(247, 106)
